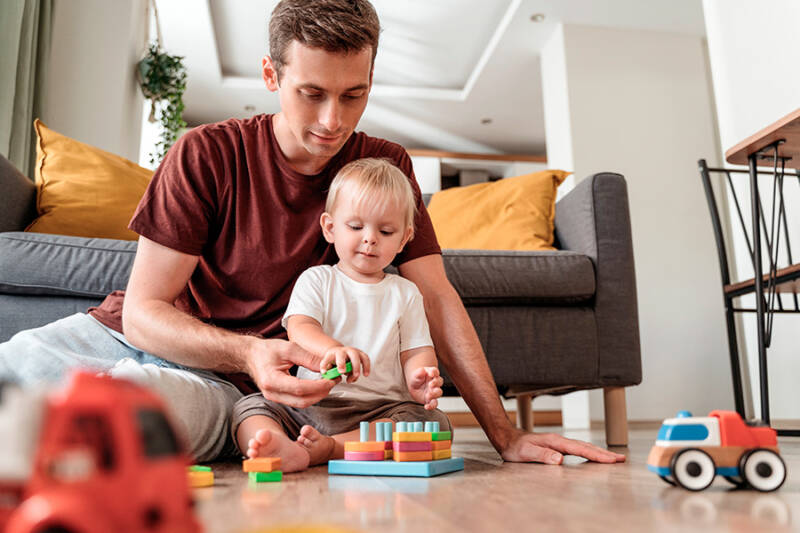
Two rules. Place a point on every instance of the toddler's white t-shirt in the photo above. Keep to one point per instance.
(380, 319)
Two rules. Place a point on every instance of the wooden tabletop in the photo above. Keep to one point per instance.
(787, 128)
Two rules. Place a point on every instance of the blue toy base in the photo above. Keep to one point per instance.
(394, 468)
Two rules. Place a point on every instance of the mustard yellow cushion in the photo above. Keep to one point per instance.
(82, 190)
(509, 214)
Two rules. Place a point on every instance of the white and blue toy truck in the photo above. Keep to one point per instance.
(691, 451)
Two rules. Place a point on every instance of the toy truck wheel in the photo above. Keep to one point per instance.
(693, 469)
(764, 470)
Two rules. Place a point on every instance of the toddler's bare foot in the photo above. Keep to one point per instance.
(268, 443)
(320, 447)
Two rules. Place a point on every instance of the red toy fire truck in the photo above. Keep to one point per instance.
(107, 460)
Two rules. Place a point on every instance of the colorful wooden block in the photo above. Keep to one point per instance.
(392, 468)
(442, 454)
(371, 446)
(263, 477)
(441, 445)
(200, 478)
(442, 435)
(261, 464)
(333, 373)
(412, 446)
(380, 455)
(387, 454)
(199, 468)
(412, 456)
(411, 436)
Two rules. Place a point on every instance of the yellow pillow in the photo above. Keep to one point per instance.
(82, 190)
(509, 214)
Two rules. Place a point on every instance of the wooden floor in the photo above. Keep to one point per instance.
(494, 496)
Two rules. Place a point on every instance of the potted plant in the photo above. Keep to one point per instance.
(162, 78)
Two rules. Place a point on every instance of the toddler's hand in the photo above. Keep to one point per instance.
(339, 355)
(425, 386)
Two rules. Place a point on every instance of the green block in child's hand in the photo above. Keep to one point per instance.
(333, 373)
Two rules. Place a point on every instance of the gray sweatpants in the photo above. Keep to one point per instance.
(199, 401)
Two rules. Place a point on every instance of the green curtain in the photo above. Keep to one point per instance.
(25, 33)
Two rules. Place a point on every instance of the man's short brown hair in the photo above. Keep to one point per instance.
(342, 26)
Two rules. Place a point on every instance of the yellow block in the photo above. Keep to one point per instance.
(261, 464)
(442, 454)
(370, 446)
(411, 436)
(413, 456)
(441, 444)
(200, 479)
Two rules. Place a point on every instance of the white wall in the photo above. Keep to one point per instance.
(639, 103)
(754, 50)
(93, 95)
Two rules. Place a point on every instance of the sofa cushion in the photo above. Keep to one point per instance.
(509, 214)
(83, 190)
(44, 264)
(19, 197)
(484, 277)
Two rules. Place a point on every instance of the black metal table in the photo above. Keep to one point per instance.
(776, 147)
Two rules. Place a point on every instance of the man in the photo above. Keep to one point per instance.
(229, 222)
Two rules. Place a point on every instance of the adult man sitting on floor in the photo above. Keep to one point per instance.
(227, 224)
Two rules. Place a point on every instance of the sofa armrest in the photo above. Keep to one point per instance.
(594, 219)
(17, 198)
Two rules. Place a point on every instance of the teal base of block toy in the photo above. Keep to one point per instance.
(394, 468)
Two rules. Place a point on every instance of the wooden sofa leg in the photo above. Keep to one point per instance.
(525, 412)
(616, 416)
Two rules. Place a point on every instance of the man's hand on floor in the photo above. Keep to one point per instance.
(549, 448)
(269, 362)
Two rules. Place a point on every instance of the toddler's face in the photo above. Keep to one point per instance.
(366, 237)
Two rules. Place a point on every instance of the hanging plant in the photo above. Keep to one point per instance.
(162, 78)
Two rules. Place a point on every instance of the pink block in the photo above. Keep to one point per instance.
(413, 446)
(364, 456)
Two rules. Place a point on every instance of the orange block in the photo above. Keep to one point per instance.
(412, 456)
(442, 454)
(411, 436)
(370, 446)
(441, 444)
(387, 454)
(261, 464)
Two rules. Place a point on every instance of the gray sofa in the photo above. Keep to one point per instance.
(550, 322)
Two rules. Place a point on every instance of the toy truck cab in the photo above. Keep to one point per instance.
(107, 460)
(692, 451)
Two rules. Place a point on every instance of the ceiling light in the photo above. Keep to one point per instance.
(537, 17)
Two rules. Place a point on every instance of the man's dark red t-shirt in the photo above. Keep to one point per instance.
(225, 192)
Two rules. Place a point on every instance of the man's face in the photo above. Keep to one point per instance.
(322, 96)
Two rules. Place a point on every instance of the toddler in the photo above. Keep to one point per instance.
(353, 311)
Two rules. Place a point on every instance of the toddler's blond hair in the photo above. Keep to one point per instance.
(375, 181)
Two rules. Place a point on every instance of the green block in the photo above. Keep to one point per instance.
(333, 373)
(441, 435)
(262, 477)
(198, 468)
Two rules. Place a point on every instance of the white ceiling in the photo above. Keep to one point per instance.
(443, 66)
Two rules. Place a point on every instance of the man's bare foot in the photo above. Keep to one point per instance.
(268, 443)
(320, 447)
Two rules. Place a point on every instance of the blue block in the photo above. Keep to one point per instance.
(393, 468)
